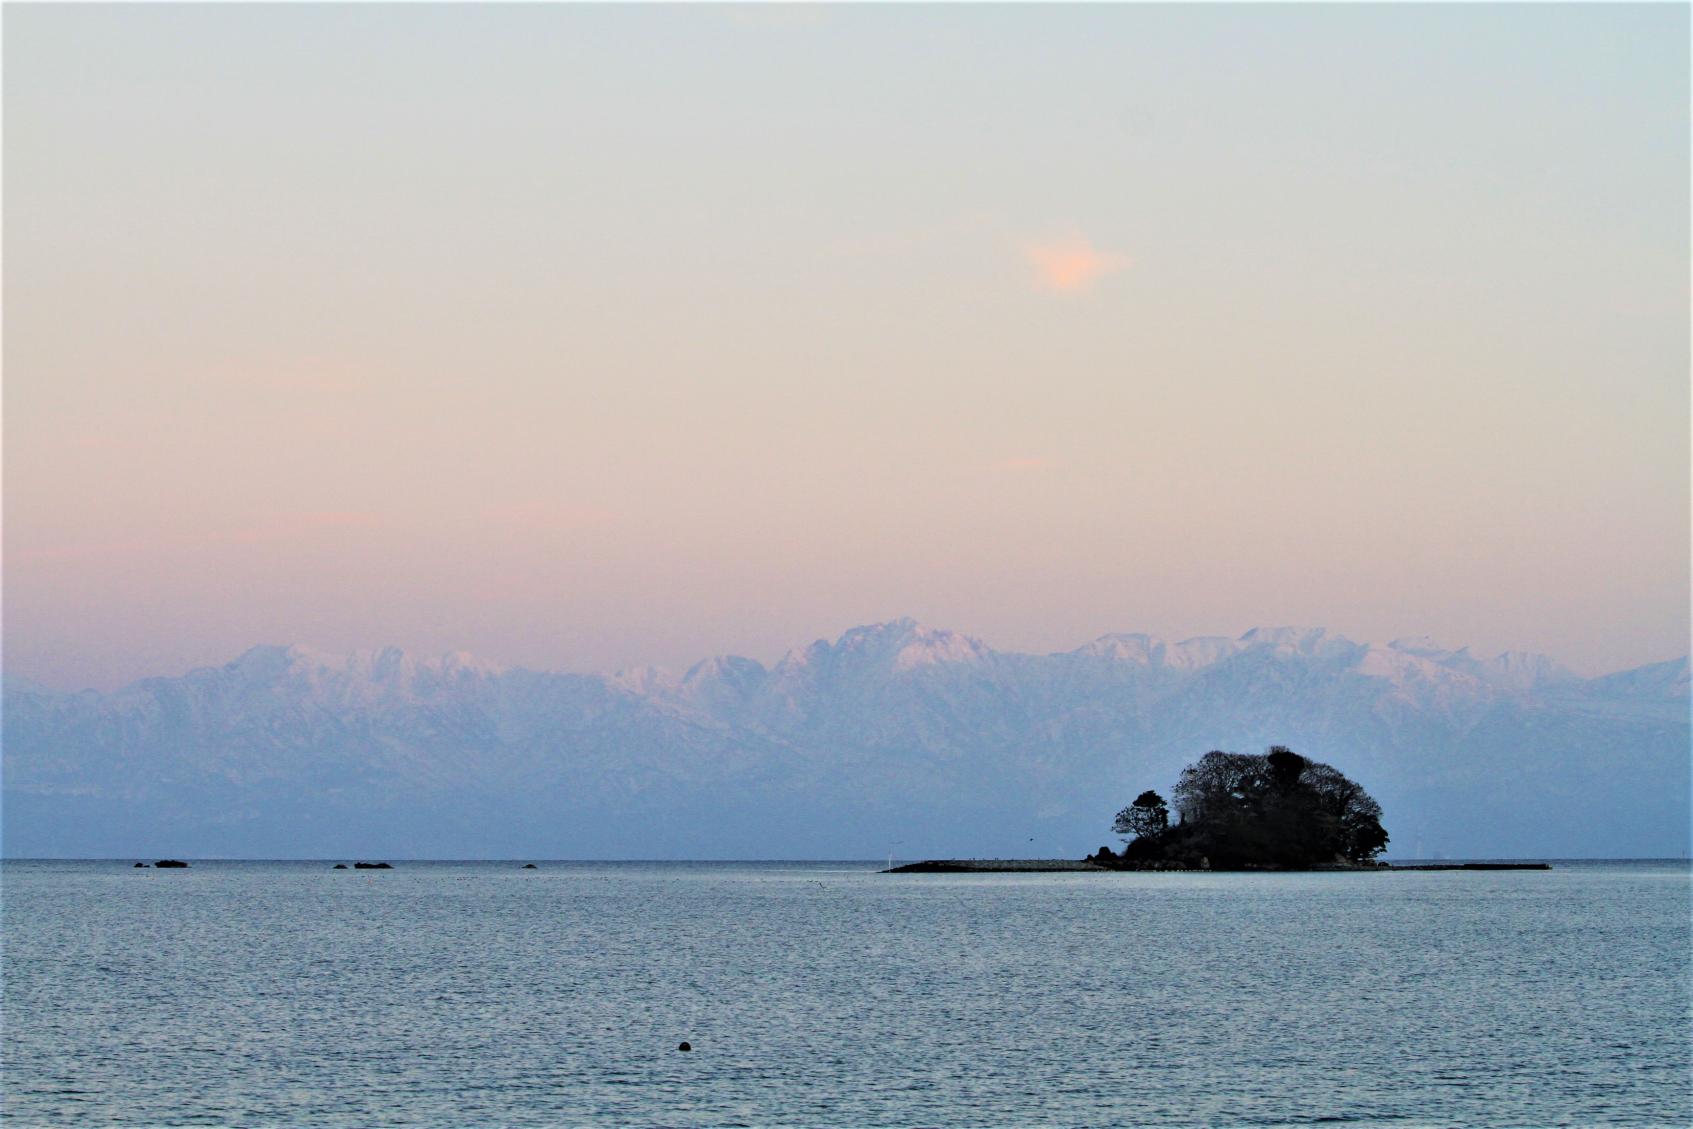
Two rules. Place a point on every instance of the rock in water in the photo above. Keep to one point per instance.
(371, 866)
(685, 1047)
(140, 864)
(339, 866)
(171, 864)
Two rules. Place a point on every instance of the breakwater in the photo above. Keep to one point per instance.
(990, 866)
(1036, 866)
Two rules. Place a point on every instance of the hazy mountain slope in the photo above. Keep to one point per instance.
(894, 737)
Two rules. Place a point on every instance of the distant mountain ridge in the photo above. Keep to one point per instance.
(895, 736)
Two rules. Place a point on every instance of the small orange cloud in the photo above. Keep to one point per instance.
(1071, 265)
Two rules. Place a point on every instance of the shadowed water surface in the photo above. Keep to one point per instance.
(479, 993)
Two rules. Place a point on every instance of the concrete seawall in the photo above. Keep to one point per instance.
(991, 866)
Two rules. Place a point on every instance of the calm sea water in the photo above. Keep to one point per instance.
(827, 994)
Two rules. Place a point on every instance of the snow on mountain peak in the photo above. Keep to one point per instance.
(1201, 651)
(463, 664)
(392, 665)
(1312, 642)
(882, 636)
(907, 644)
(720, 673)
(1305, 640)
(321, 741)
(645, 679)
(1512, 670)
(1422, 645)
(724, 667)
(268, 662)
(1144, 650)
(939, 647)
(897, 645)
(261, 663)
(1151, 651)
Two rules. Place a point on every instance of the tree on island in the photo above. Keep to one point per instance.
(1277, 810)
(1147, 817)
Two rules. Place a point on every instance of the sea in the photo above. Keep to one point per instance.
(827, 993)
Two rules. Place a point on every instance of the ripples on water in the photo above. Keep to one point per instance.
(827, 994)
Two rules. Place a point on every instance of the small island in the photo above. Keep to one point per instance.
(1240, 811)
(1237, 811)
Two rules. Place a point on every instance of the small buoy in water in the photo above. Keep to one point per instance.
(686, 1047)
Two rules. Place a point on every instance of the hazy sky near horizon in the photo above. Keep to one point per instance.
(586, 336)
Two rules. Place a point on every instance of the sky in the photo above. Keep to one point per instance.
(582, 337)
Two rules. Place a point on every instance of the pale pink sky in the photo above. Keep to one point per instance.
(582, 337)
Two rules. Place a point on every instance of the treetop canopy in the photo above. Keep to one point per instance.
(1277, 809)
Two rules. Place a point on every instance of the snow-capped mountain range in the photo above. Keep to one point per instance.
(895, 738)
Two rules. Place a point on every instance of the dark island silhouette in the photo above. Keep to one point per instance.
(1237, 811)
(1240, 811)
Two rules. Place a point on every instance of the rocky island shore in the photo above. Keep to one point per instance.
(1039, 866)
